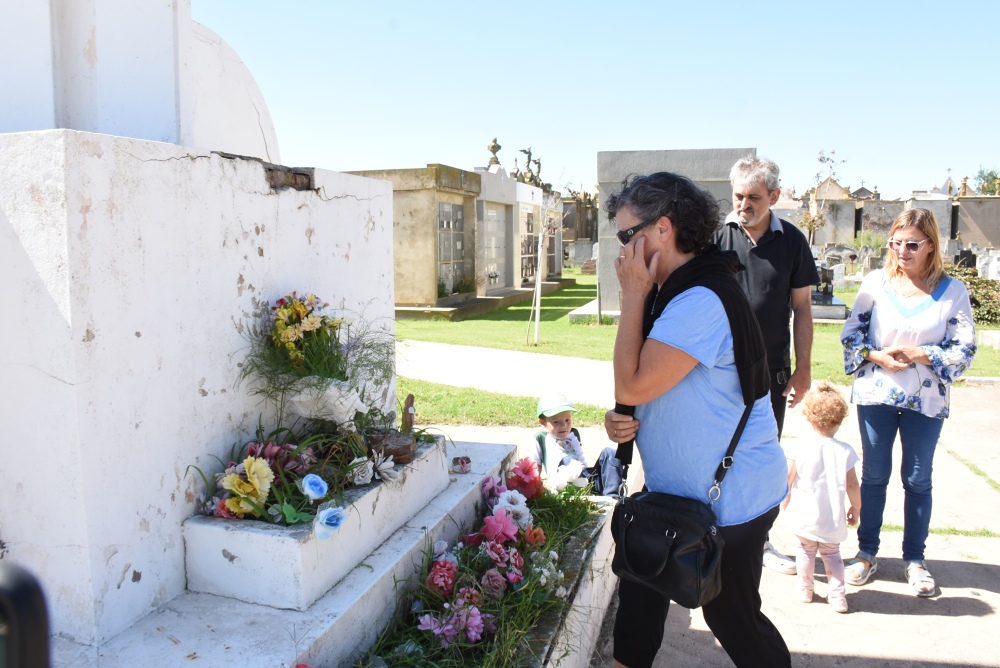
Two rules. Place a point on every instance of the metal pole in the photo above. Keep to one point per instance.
(538, 280)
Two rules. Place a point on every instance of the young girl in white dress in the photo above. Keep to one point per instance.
(821, 479)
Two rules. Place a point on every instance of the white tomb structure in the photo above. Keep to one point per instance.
(132, 255)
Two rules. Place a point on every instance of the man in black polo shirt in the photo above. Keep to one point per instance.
(780, 273)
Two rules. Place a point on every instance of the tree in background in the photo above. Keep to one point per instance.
(813, 221)
(986, 181)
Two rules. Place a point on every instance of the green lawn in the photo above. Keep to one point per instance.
(444, 404)
(506, 328)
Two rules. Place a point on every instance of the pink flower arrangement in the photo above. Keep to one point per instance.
(495, 573)
(526, 478)
(441, 579)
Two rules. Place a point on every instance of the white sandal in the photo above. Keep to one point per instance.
(916, 574)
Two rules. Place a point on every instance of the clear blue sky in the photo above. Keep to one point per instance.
(901, 90)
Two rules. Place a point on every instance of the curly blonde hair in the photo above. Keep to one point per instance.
(823, 406)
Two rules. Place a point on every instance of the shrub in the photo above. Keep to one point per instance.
(983, 293)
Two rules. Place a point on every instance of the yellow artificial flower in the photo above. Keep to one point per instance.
(290, 334)
(237, 505)
(311, 322)
(260, 475)
(301, 310)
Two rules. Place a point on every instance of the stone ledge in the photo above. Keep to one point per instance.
(238, 558)
(220, 631)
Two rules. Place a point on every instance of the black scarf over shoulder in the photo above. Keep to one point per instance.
(715, 270)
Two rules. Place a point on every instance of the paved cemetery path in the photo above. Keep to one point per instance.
(887, 627)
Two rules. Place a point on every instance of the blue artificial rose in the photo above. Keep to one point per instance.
(314, 487)
(327, 521)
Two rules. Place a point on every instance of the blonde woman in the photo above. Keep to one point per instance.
(909, 336)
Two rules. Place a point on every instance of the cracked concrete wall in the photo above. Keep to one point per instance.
(226, 110)
(130, 268)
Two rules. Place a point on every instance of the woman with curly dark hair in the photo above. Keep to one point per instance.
(690, 357)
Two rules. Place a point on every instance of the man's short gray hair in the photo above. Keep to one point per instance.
(756, 170)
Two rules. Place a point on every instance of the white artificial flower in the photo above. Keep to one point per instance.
(562, 592)
(384, 470)
(520, 514)
(362, 470)
(512, 499)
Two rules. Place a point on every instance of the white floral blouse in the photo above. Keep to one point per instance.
(941, 324)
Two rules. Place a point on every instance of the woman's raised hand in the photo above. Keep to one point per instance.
(634, 275)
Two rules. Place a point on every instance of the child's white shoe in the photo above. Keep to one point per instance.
(839, 603)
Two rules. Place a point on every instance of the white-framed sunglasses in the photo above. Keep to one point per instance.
(910, 246)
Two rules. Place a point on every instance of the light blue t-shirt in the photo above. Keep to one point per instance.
(683, 434)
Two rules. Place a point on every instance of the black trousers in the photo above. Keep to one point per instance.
(735, 618)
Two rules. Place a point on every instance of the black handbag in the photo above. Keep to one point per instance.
(670, 543)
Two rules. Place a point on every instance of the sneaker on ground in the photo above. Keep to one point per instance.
(776, 561)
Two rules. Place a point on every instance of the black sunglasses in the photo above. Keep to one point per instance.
(624, 236)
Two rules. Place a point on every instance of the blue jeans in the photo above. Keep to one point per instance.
(918, 436)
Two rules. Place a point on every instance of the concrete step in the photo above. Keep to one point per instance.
(220, 631)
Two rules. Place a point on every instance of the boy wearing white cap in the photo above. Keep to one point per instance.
(560, 445)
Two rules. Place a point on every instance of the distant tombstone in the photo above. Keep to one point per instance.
(953, 247)
(994, 270)
(833, 259)
(983, 266)
(839, 276)
(872, 262)
(965, 258)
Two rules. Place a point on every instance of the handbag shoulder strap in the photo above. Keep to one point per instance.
(624, 453)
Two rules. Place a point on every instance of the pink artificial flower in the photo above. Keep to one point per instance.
(473, 539)
(441, 579)
(461, 464)
(526, 478)
(516, 560)
(489, 623)
(468, 619)
(492, 488)
(221, 510)
(497, 553)
(493, 583)
(513, 575)
(469, 596)
(500, 527)
(443, 630)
